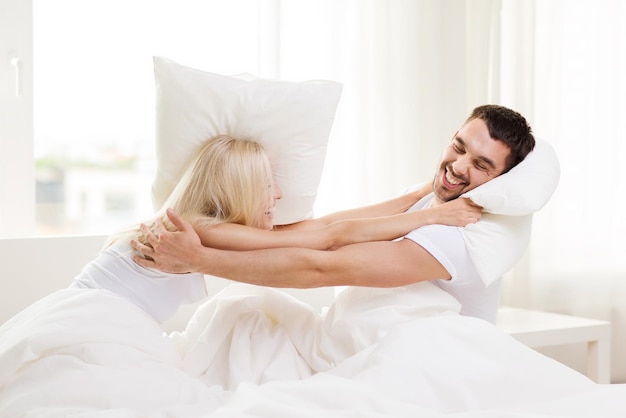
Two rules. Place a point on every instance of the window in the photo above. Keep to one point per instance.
(92, 106)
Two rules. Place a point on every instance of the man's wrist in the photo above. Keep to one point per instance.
(202, 261)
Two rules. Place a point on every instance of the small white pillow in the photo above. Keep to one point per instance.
(526, 188)
(291, 119)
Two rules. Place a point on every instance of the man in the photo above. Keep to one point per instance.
(491, 141)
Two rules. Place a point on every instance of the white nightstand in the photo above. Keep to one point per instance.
(539, 329)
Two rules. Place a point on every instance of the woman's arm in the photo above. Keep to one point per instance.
(458, 212)
(389, 207)
(313, 233)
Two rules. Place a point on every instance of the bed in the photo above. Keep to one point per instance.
(251, 351)
(91, 353)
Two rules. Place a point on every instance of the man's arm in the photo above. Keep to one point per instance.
(373, 264)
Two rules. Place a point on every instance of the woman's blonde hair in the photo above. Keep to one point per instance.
(227, 180)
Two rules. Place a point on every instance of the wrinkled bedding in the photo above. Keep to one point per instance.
(256, 352)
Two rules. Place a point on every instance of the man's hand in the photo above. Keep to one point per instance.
(172, 252)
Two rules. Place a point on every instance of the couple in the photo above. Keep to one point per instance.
(220, 223)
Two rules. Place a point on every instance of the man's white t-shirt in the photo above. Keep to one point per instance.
(447, 245)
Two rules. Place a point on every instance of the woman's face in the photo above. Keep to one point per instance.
(268, 210)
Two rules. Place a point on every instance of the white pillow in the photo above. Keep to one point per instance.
(496, 243)
(291, 119)
(526, 188)
(499, 239)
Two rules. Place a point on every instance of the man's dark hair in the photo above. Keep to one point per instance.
(508, 126)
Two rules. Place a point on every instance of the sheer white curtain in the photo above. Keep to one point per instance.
(581, 104)
(574, 78)
(412, 71)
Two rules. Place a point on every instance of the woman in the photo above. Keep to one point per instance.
(227, 193)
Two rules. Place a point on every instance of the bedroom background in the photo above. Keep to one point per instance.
(77, 92)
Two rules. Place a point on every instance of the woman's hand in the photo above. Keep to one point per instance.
(172, 252)
(458, 212)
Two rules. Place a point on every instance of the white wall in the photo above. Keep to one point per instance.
(32, 268)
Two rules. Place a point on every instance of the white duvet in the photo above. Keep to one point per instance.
(255, 352)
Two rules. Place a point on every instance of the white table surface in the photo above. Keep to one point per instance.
(539, 329)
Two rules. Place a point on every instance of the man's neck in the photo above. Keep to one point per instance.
(436, 202)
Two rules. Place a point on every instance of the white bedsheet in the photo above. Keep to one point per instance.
(257, 352)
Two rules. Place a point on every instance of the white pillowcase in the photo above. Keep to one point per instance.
(291, 119)
(526, 188)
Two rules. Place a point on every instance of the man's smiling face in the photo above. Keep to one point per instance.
(471, 159)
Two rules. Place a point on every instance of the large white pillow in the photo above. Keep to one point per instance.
(291, 119)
